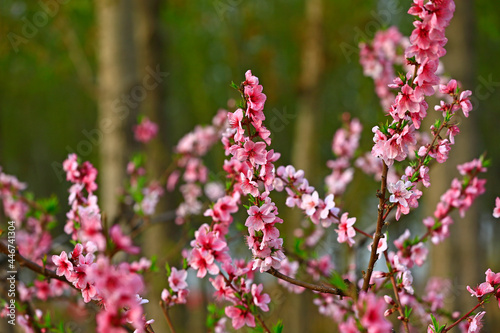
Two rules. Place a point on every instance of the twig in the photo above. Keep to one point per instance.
(262, 323)
(165, 313)
(396, 294)
(31, 265)
(311, 286)
(378, 231)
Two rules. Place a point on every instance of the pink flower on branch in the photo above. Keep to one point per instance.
(177, 279)
(496, 210)
(346, 231)
(240, 317)
(145, 131)
(64, 266)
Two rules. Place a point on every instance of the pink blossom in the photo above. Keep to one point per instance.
(399, 192)
(64, 266)
(177, 279)
(496, 210)
(310, 202)
(235, 123)
(255, 152)
(450, 88)
(349, 326)
(371, 312)
(145, 131)
(258, 216)
(346, 231)
(259, 299)
(240, 317)
(475, 323)
(465, 102)
(492, 278)
(121, 241)
(202, 261)
(481, 290)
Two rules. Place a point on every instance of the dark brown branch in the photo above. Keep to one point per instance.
(311, 286)
(22, 261)
(378, 231)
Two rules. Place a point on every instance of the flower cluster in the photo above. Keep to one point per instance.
(146, 130)
(244, 295)
(190, 149)
(305, 197)
(344, 145)
(84, 218)
(251, 170)
(177, 291)
(460, 196)
(117, 288)
(378, 59)
(409, 107)
(10, 192)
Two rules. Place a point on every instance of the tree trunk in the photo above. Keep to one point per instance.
(305, 151)
(117, 96)
(155, 239)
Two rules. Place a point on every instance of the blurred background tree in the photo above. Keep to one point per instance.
(59, 59)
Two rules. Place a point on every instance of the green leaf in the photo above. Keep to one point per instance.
(167, 268)
(408, 311)
(298, 248)
(435, 324)
(278, 328)
(154, 264)
(338, 281)
(235, 86)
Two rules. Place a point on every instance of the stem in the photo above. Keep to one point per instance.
(31, 265)
(363, 233)
(396, 294)
(311, 286)
(165, 313)
(463, 317)
(262, 323)
(378, 231)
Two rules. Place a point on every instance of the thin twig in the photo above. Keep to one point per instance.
(396, 294)
(311, 286)
(165, 313)
(262, 323)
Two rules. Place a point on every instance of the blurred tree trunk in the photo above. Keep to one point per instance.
(459, 258)
(305, 149)
(155, 240)
(117, 100)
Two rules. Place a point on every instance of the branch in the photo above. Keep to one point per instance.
(165, 313)
(311, 286)
(378, 231)
(31, 265)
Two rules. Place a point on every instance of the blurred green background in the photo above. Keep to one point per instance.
(50, 77)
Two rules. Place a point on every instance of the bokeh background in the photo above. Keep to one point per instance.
(68, 64)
